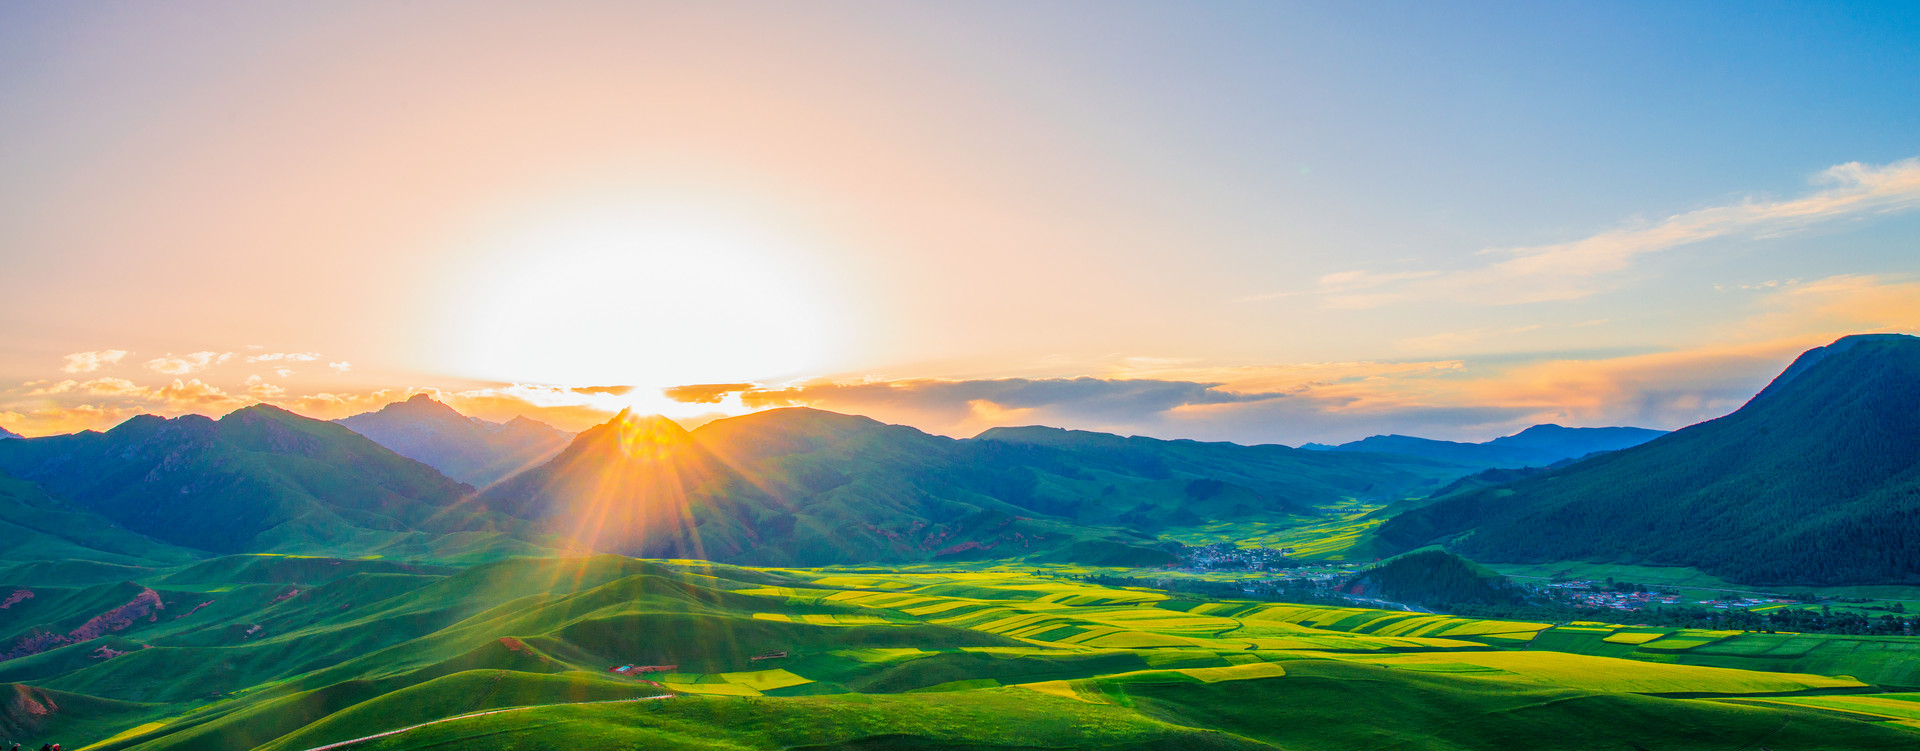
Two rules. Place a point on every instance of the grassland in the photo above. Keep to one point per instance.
(288, 654)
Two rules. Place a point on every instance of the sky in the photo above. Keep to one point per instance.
(1256, 222)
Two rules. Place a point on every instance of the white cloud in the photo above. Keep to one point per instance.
(185, 364)
(258, 388)
(1576, 269)
(285, 356)
(87, 362)
(341, 366)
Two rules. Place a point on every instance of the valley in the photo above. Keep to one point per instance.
(800, 578)
(299, 654)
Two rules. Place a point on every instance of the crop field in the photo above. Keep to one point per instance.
(1341, 534)
(609, 651)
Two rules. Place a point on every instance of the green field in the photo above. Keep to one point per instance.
(288, 653)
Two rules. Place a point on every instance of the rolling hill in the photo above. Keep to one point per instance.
(260, 479)
(1434, 578)
(38, 527)
(805, 487)
(1814, 481)
(474, 451)
(261, 653)
(1538, 446)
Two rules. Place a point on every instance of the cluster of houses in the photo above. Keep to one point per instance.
(1602, 595)
(1228, 556)
(1585, 594)
(1745, 603)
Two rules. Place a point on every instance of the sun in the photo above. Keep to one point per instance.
(638, 296)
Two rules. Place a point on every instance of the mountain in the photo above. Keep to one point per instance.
(5, 434)
(1814, 481)
(1537, 446)
(260, 479)
(805, 487)
(37, 527)
(468, 449)
(1434, 578)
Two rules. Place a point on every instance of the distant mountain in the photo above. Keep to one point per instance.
(468, 449)
(1814, 481)
(260, 479)
(802, 486)
(5, 434)
(1537, 446)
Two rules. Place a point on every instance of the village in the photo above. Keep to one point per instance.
(1324, 577)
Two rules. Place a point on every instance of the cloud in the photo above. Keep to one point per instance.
(87, 362)
(1580, 268)
(341, 366)
(95, 387)
(705, 393)
(192, 394)
(607, 390)
(284, 356)
(963, 406)
(258, 388)
(1857, 303)
(64, 419)
(186, 364)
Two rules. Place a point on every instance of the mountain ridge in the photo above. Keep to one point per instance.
(259, 479)
(469, 449)
(1815, 481)
(1536, 446)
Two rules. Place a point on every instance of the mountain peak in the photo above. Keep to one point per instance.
(259, 410)
(423, 405)
(631, 424)
(1845, 344)
(5, 434)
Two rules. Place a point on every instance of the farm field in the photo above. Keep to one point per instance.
(289, 654)
(1694, 586)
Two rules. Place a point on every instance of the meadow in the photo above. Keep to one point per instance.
(289, 653)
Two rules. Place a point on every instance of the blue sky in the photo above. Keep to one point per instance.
(1451, 220)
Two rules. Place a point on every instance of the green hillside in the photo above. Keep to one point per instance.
(259, 479)
(1434, 578)
(37, 527)
(806, 487)
(879, 658)
(1815, 481)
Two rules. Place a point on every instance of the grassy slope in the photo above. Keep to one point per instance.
(1813, 482)
(877, 658)
(259, 479)
(1316, 705)
(805, 487)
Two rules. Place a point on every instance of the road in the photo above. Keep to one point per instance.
(375, 736)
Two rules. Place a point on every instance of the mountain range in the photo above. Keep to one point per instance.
(474, 451)
(260, 479)
(1816, 480)
(800, 486)
(1538, 446)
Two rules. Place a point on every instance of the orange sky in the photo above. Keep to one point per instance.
(1243, 222)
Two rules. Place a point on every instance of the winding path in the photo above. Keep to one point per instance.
(376, 736)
